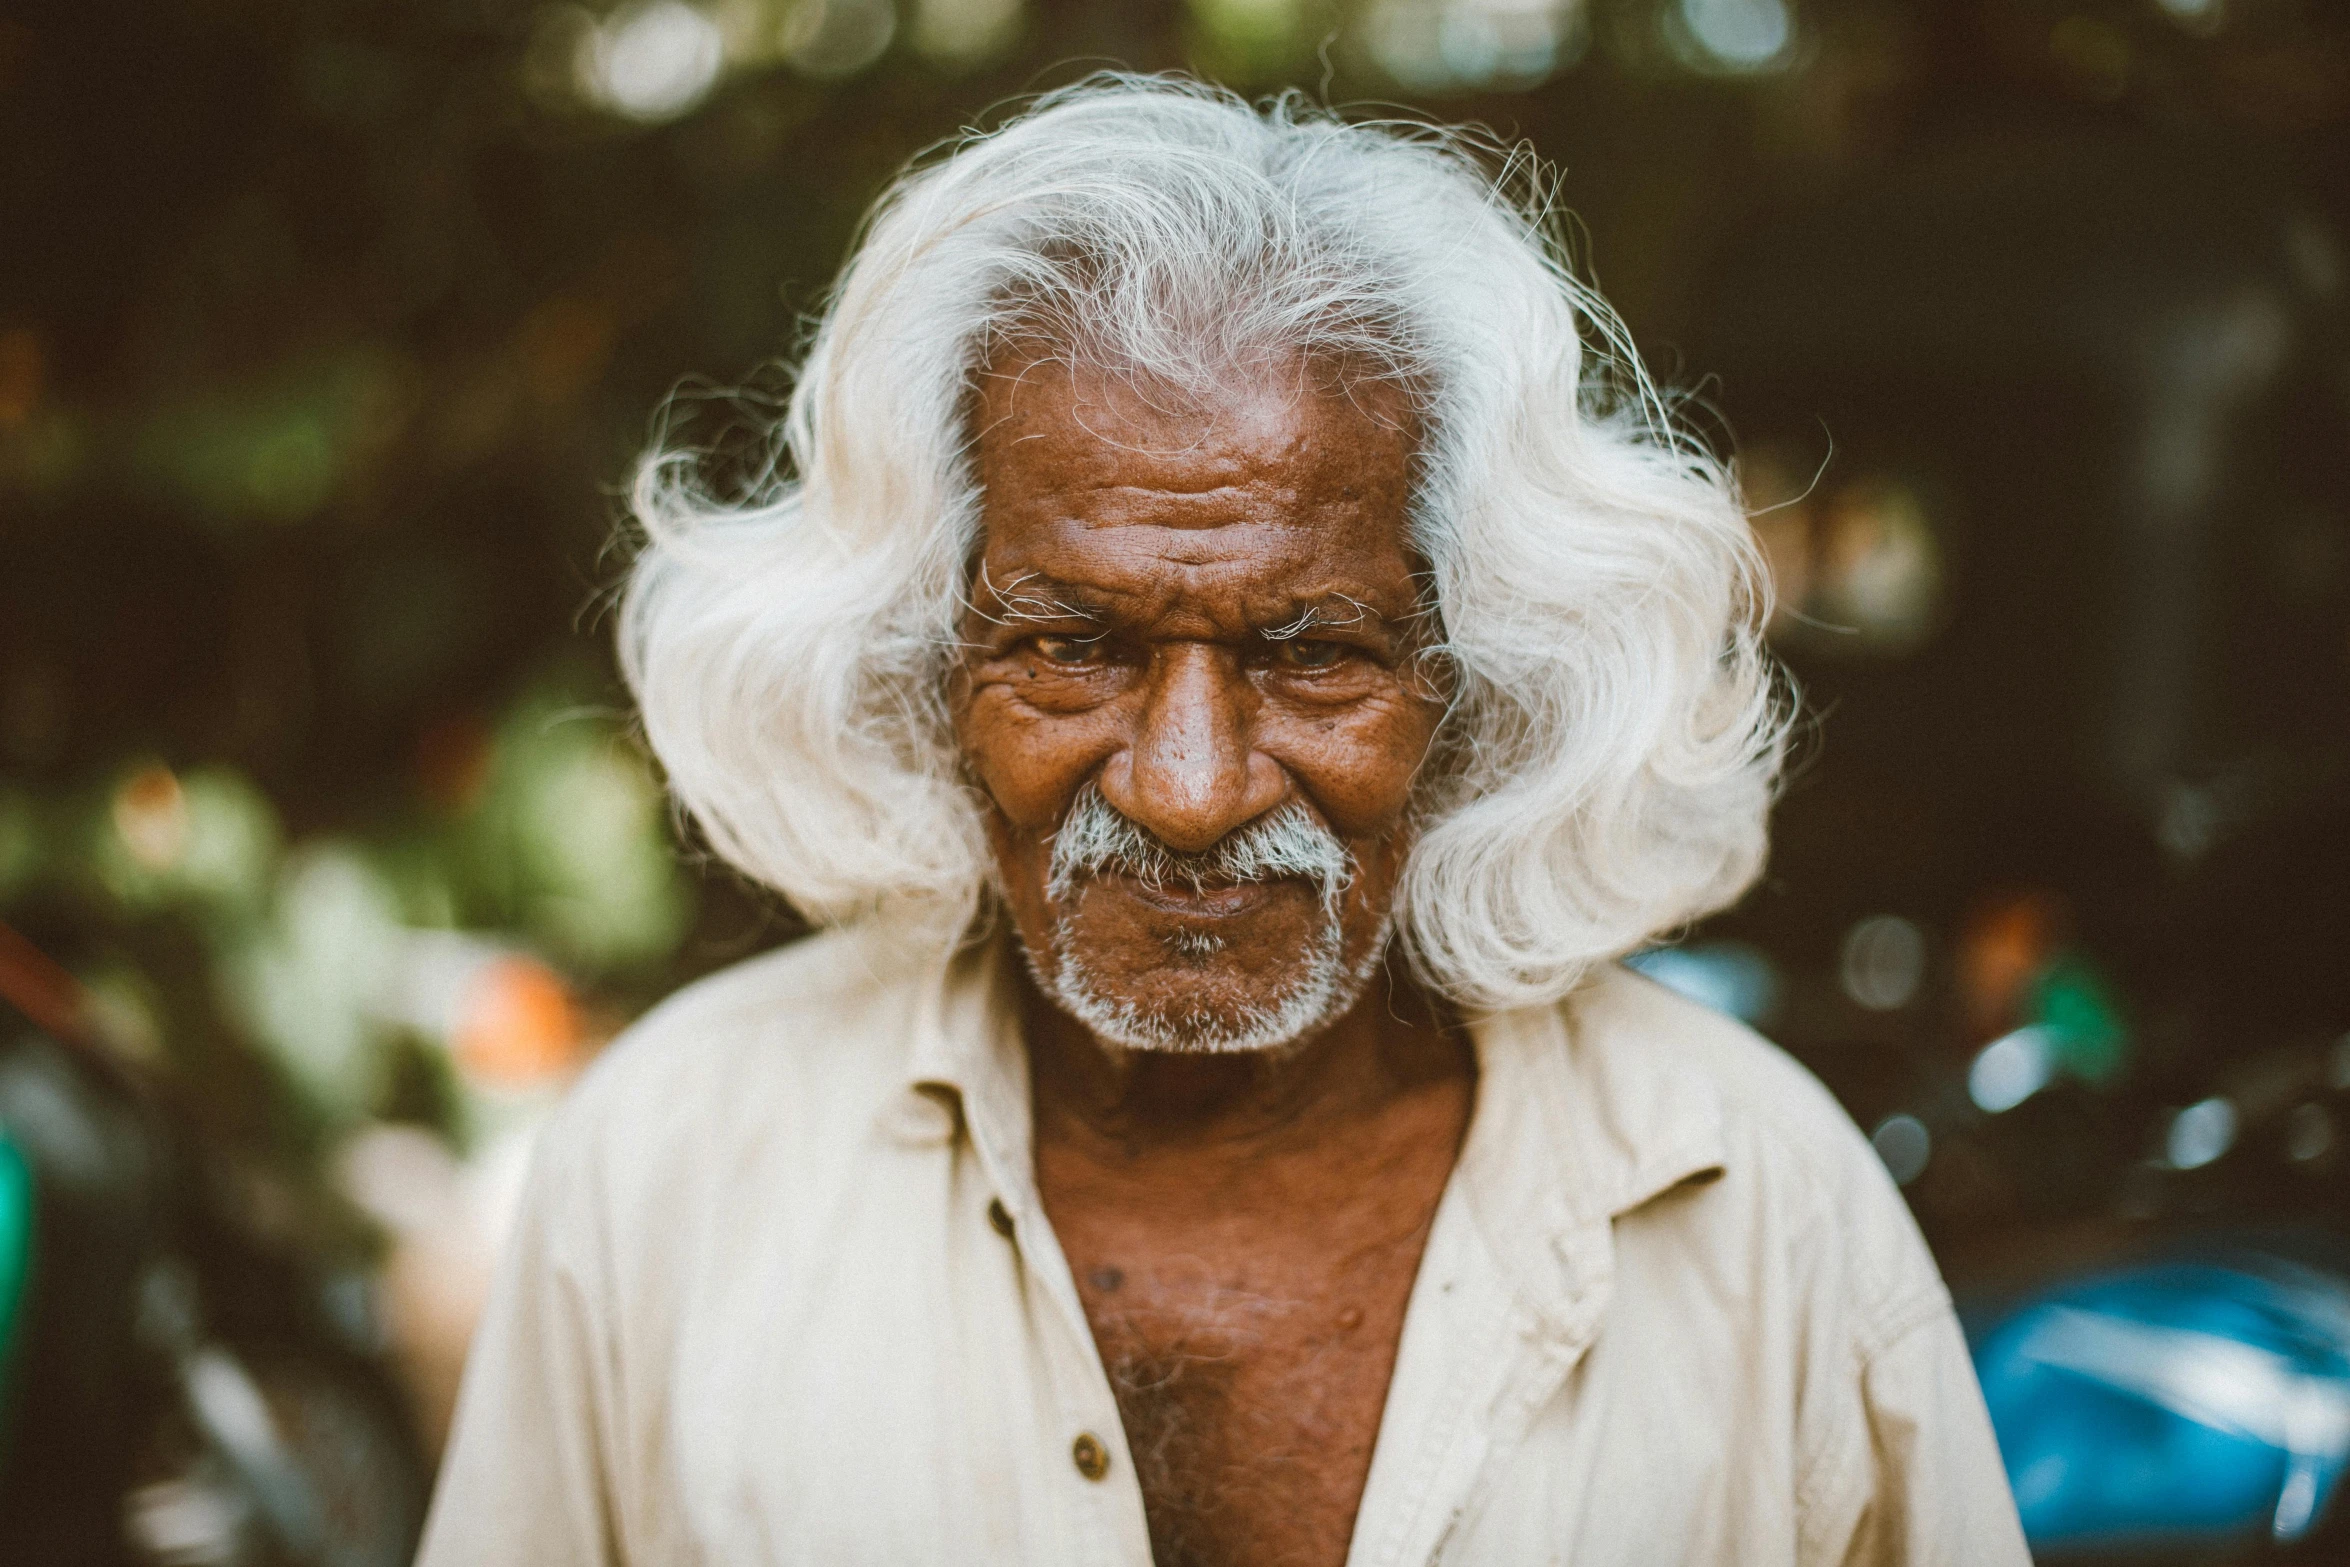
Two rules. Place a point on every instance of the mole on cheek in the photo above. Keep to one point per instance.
(1106, 1279)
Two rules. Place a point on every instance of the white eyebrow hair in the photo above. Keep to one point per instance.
(1316, 616)
(1022, 605)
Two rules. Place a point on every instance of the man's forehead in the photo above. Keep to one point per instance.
(1069, 423)
(1241, 508)
(1241, 561)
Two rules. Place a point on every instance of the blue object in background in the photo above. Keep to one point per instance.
(2184, 1405)
(1728, 976)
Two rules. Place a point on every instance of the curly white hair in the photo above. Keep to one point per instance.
(1615, 730)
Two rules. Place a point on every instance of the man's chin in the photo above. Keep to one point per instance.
(1200, 1006)
(1134, 1025)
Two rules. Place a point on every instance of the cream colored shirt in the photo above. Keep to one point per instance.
(759, 1309)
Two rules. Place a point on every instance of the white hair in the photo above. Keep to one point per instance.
(1614, 733)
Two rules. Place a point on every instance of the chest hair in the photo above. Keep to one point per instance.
(1250, 1420)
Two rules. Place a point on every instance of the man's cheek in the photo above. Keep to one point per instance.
(1358, 771)
(1030, 769)
(1022, 861)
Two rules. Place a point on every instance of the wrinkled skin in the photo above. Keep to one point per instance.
(1244, 1228)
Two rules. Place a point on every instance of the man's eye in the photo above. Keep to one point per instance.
(1306, 653)
(1068, 650)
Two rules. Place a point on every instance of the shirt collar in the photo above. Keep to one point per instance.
(967, 1068)
(1585, 1111)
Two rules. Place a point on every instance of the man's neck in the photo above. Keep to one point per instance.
(1243, 1232)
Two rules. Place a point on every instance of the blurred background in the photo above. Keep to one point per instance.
(327, 854)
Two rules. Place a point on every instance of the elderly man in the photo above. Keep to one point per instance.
(1227, 673)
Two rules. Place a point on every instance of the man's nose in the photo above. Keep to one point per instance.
(1190, 773)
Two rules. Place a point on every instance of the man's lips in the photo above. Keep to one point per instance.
(1211, 902)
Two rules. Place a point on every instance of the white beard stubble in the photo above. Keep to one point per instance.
(1289, 843)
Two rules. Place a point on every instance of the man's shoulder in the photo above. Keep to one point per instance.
(1793, 1164)
(786, 1034)
(1768, 1103)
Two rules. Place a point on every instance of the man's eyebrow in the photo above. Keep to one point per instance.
(1030, 597)
(1330, 612)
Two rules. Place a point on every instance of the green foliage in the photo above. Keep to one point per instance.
(1255, 42)
(211, 847)
(315, 982)
(570, 840)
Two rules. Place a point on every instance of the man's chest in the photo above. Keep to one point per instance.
(922, 1396)
(905, 1406)
(1250, 1373)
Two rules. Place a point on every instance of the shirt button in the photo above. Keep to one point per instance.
(1092, 1459)
(999, 1218)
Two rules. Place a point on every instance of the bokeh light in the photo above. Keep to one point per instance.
(651, 61)
(1733, 35)
(1447, 46)
(829, 39)
(1882, 963)
(1905, 1145)
(963, 34)
(2011, 1069)
(2201, 1133)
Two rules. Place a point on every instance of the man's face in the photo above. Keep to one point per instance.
(1191, 671)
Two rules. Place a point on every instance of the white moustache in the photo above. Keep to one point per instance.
(1096, 837)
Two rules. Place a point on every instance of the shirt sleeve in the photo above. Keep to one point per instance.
(523, 1481)
(1934, 1490)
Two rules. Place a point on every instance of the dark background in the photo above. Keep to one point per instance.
(328, 329)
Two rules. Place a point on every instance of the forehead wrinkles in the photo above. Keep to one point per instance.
(1223, 512)
(1229, 599)
(1238, 580)
(1074, 427)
